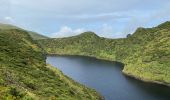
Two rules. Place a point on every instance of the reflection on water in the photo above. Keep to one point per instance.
(106, 78)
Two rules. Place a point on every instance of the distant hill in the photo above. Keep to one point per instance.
(24, 74)
(146, 53)
(37, 36)
(7, 26)
(34, 35)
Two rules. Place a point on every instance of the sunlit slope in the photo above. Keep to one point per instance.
(146, 53)
(150, 58)
(24, 74)
(34, 35)
(87, 43)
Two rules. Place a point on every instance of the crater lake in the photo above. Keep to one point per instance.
(107, 78)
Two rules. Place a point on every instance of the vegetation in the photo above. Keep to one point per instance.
(24, 74)
(87, 43)
(146, 53)
(34, 35)
(37, 36)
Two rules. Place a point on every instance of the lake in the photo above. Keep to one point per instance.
(106, 77)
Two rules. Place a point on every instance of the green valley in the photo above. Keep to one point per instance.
(24, 74)
(145, 54)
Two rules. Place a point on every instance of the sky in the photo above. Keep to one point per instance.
(63, 18)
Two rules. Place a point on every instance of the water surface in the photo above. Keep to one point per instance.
(107, 79)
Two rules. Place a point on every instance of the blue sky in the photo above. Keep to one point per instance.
(62, 18)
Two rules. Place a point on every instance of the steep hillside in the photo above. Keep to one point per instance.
(34, 35)
(37, 36)
(87, 43)
(150, 61)
(146, 54)
(24, 74)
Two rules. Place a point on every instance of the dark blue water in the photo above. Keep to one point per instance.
(107, 79)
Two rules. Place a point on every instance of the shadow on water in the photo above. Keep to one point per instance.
(92, 59)
(107, 78)
(160, 92)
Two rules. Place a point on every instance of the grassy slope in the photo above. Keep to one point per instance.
(87, 43)
(24, 74)
(149, 57)
(37, 36)
(34, 35)
(146, 54)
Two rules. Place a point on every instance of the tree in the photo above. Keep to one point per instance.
(128, 35)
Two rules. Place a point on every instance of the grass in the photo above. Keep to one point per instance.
(146, 53)
(34, 35)
(24, 74)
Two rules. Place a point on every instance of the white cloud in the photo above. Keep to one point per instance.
(128, 15)
(67, 31)
(158, 16)
(84, 6)
(98, 15)
(104, 30)
(9, 20)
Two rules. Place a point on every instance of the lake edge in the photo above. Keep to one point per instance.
(127, 74)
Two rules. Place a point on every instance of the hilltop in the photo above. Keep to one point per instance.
(24, 74)
(34, 35)
(87, 42)
(37, 36)
(145, 54)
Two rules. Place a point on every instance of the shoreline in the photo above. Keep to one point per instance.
(53, 68)
(105, 59)
(123, 65)
(146, 81)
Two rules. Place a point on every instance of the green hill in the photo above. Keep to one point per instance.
(145, 54)
(34, 35)
(37, 36)
(88, 44)
(24, 74)
(7, 26)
